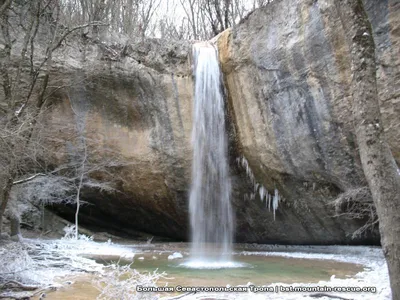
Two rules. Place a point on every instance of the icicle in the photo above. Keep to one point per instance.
(269, 202)
(262, 192)
(275, 202)
(238, 161)
(244, 163)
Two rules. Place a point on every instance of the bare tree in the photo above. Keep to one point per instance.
(207, 18)
(133, 18)
(80, 117)
(202, 19)
(377, 160)
(64, 185)
(191, 9)
(147, 11)
(25, 87)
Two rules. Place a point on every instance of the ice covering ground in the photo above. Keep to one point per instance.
(45, 260)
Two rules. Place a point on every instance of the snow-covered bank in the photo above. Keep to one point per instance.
(45, 261)
(40, 263)
(375, 274)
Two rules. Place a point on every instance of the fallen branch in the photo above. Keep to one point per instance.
(25, 295)
(19, 285)
(23, 224)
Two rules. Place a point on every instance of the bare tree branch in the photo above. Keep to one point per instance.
(28, 179)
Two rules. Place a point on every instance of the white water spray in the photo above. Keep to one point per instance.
(210, 207)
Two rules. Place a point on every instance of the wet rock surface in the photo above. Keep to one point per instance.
(287, 78)
(287, 72)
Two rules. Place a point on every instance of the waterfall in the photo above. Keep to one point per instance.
(210, 207)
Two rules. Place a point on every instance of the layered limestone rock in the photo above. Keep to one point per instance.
(288, 71)
(135, 105)
(287, 75)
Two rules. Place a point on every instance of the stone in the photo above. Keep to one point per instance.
(287, 73)
(287, 76)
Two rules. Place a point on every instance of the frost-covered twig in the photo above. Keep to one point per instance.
(28, 179)
(14, 260)
(121, 281)
(357, 204)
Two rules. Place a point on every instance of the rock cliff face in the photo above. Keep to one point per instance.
(135, 103)
(287, 70)
(287, 76)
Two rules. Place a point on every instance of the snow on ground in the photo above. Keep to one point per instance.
(49, 259)
(87, 247)
(57, 258)
(42, 261)
(175, 255)
(375, 273)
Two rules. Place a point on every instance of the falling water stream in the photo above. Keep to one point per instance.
(210, 207)
(211, 212)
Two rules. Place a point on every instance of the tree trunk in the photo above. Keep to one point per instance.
(4, 197)
(377, 160)
(78, 205)
(15, 226)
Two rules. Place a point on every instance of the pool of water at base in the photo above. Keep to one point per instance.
(257, 269)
